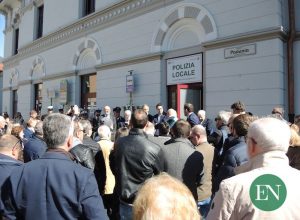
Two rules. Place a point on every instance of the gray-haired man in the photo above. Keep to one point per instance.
(53, 187)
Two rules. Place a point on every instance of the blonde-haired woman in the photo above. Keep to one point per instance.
(294, 149)
(166, 198)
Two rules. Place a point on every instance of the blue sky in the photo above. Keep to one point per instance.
(2, 25)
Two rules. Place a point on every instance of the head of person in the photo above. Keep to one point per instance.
(171, 113)
(106, 110)
(188, 108)
(38, 129)
(295, 137)
(163, 128)
(31, 122)
(17, 131)
(238, 108)
(201, 115)
(121, 132)
(87, 128)
(117, 111)
(222, 119)
(5, 115)
(268, 134)
(198, 135)
(2, 122)
(181, 129)
(229, 123)
(278, 110)
(146, 108)
(159, 109)
(78, 129)
(104, 132)
(97, 112)
(127, 115)
(139, 119)
(11, 146)
(50, 109)
(33, 114)
(18, 115)
(164, 197)
(149, 129)
(58, 131)
(240, 125)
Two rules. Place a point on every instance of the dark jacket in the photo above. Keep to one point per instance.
(163, 118)
(7, 164)
(28, 133)
(84, 155)
(209, 126)
(136, 159)
(34, 148)
(184, 163)
(91, 144)
(294, 156)
(193, 119)
(53, 187)
(120, 122)
(234, 156)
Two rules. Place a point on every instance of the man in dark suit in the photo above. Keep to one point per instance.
(120, 121)
(161, 116)
(192, 118)
(53, 187)
(35, 147)
(10, 152)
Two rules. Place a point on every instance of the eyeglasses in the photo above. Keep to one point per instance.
(19, 144)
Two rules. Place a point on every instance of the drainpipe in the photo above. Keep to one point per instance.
(290, 60)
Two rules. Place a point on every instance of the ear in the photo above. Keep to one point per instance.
(251, 148)
(70, 142)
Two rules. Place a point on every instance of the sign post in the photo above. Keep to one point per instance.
(130, 87)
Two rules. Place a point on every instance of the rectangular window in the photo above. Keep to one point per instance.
(16, 41)
(88, 7)
(88, 91)
(40, 20)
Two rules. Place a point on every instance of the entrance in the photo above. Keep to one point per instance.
(88, 91)
(38, 98)
(180, 94)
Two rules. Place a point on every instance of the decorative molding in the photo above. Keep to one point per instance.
(6, 89)
(248, 37)
(181, 11)
(130, 61)
(117, 13)
(59, 75)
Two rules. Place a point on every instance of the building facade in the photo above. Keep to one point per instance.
(208, 52)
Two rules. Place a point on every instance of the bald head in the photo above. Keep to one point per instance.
(198, 135)
(8, 141)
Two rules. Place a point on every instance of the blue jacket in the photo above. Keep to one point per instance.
(7, 164)
(234, 156)
(52, 187)
(193, 119)
(34, 148)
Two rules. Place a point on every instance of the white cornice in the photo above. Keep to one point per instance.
(91, 23)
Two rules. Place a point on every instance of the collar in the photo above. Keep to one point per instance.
(268, 159)
(7, 159)
(58, 153)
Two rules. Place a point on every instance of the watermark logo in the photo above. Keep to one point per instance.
(268, 192)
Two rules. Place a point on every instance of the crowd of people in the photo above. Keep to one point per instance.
(68, 165)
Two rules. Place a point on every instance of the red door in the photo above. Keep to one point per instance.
(180, 94)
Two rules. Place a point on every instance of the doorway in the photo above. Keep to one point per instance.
(88, 91)
(180, 94)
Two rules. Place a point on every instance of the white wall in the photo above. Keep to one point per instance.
(257, 80)
(26, 28)
(58, 14)
(111, 85)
